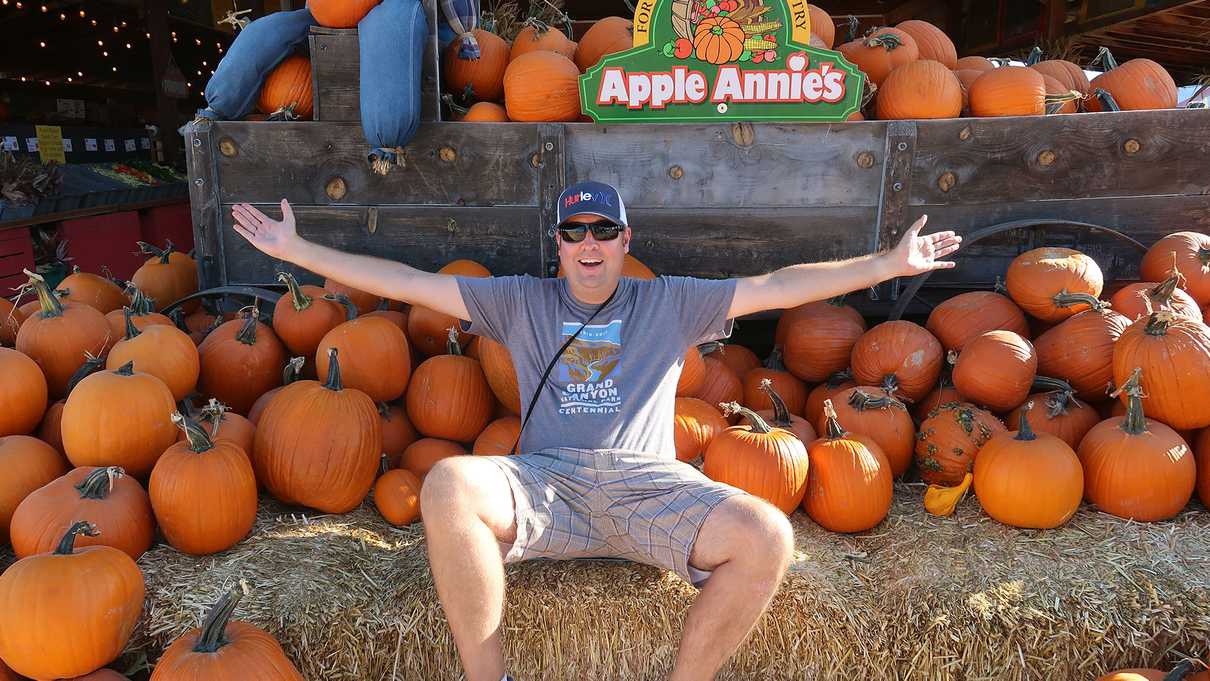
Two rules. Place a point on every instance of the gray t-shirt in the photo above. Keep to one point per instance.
(615, 386)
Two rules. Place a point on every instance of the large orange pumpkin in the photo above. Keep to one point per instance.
(836, 384)
(448, 397)
(497, 363)
(1053, 283)
(1136, 468)
(287, 90)
(881, 52)
(423, 454)
(1058, 97)
(29, 464)
(868, 412)
(498, 438)
(1174, 355)
(542, 86)
(996, 369)
(931, 41)
(779, 415)
(11, 318)
(920, 89)
(241, 360)
(340, 13)
(70, 612)
(718, 40)
(1062, 415)
(225, 650)
(792, 390)
(375, 357)
(1138, 84)
(59, 336)
(118, 418)
(950, 439)
(50, 430)
(1079, 350)
(1008, 91)
(604, 37)
(767, 462)
(397, 432)
(364, 301)
(719, 384)
(486, 112)
(161, 350)
(849, 487)
(22, 393)
(694, 426)
(142, 315)
(292, 372)
(333, 473)
(693, 373)
(818, 339)
(974, 63)
(1189, 252)
(167, 276)
(958, 320)
(1067, 74)
(114, 502)
(1027, 479)
(738, 357)
(92, 290)
(428, 329)
(1142, 298)
(900, 356)
(304, 315)
(536, 36)
(822, 26)
(482, 77)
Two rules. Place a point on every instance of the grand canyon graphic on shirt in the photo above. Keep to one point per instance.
(588, 372)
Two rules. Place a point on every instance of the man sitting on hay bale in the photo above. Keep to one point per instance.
(601, 356)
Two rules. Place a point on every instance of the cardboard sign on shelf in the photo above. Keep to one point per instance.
(721, 60)
(67, 145)
(50, 143)
(90, 144)
(11, 144)
(31, 144)
(131, 145)
(110, 146)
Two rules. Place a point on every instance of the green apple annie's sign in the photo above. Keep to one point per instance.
(721, 60)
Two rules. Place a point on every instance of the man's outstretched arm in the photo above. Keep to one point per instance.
(386, 278)
(798, 284)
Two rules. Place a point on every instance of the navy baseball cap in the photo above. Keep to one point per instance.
(591, 198)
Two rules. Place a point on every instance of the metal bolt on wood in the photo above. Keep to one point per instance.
(336, 188)
(197, 142)
(1132, 146)
(447, 154)
(1046, 158)
(965, 134)
(743, 134)
(865, 160)
(549, 146)
(676, 172)
(947, 181)
(227, 147)
(536, 160)
(898, 186)
(902, 146)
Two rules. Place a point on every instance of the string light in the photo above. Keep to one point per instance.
(123, 24)
(44, 9)
(41, 43)
(18, 5)
(128, 46)
(94, 22)
(104, 54)
(100, 43)
(115, 69)
(81, 14)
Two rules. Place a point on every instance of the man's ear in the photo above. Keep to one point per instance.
(626, 241)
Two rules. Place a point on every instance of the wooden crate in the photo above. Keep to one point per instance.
(16, 254)
(335, 70)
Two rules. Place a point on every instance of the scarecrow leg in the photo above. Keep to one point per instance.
(748, 544)
(467, 506)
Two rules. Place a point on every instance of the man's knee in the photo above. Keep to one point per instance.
(768, 538)
(446, 487)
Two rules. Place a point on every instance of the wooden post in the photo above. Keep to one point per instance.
(1056, 19)
(161, 56)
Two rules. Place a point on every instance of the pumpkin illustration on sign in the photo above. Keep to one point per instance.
(723, 31)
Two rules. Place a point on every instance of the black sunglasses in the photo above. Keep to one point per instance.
(601, 231)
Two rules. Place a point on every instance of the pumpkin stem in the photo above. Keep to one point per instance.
(92, 364)
(781, 415)
(199, 441)
(1158, 323)
(1035, 56)
(151, 250)
(140, 303)
(836, 379)
(350, 308)
(451, 343)
(108, 274)
(1105, 58)
(384, 464)
(999, 286)
(247, 333)
(213, 412)
(1065, 299)
(774, 361)
(890, 41)
(126, 369)
(1135, 422)
(854, 26)
(99, 483)
(1180, 671)
(178, 318)
(1107, 99)
(334, 383)
(862, 401)
(1060, 395)
(834, 429)
(51, 307)
(68, 543)
(301, 300)
(132, 331)
(1024, 432)
(1162, 292)
(759, 425)
(293, 370)
(214, 629)
(1203, 255)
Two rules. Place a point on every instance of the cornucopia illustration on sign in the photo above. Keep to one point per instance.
(723, 31)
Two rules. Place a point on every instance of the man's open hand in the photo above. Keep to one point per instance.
(916, 254)
(277, 238)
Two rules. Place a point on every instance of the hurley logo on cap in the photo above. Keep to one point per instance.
(602, 197)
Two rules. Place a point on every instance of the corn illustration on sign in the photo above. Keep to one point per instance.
(721, 60)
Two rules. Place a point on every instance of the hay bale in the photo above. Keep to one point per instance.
(919, 597)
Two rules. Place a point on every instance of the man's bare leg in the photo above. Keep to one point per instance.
(468, 506)
(748, 544)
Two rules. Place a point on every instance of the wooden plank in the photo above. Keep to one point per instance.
(201, 159)
(503, 239)
(86, 212)
(458, 164)
(732, 166)
(717, 243)
(552, 169)
(1069, 157)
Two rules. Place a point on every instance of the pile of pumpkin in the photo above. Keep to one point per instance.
(118, 416)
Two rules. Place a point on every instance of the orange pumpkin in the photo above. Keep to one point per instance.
(822, 26)
(1189, 253)
(116, 504)
(738, 357)
(1136, 85)
(974, 63)
(818, 339)
(141, 315)
(779, 415)
(542, 86)
(1063, 415)
(222, 424)
(944, 393)
(950, 439)
(288, 90)
(486, 112)
(291, 373)
(789, 387)
(334, 473)
(92, 290)
(718, 40)
(29, 464)
(900, 356)
(162, 351)
(1174, 355)
(870, 413)
(693, 373)
(1079, 350)
(423, 454)
(536, 36)
(223, 649)
(397, 496)
(340, 13)
(118, 418)
(428, 329)
(1142, 298)
(304, 315)
(767, 462)
(1070, 76)
(397, 432)
(931, 41)
(364, 301)
(881, 52)
(167, 276)
(958, 320)
(69, 612)
(11, 318)
(836, 384)
(448, 397)
(497, 363)
(375, 357)
(606, 36)
(1059, 94)
(22, 393)
(720, 384)
(59, 336)
(241, 360)
(1053, 283)
(920, 89)
(483, 77)
(695, 425)
(1027, 479)
(996, 369)
(849, 486)
(498, 438)
(1009, 91)
(967, 78)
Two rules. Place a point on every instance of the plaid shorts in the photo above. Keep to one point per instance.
(608, 503)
